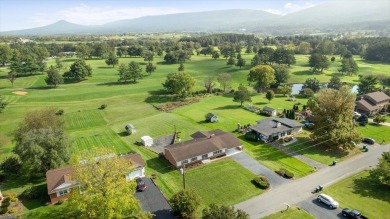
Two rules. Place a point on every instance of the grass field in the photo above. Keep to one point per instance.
(377, 132)
(132, 103)
(291, 213)
(362, 193)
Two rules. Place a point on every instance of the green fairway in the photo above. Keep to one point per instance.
(133, 104)
(363, 193)
(291, 213)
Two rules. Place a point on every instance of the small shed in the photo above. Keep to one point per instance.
(130, 129)
(147, 140)
(270, 111)
(210, 117)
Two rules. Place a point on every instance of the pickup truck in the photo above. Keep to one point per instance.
(349, 213)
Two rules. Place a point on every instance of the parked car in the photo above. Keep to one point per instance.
(349, 213)
(368, 140)
(309, 125)
(141, 186)
(326, 199)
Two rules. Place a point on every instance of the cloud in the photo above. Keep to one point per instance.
(294, 7)
(87, 15)
(273, 11)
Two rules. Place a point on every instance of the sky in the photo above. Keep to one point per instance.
(24, 14)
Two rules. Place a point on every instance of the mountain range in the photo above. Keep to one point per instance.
(335, 16)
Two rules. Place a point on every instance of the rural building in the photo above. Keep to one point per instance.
(271, 129)
(204, 146)
(130, 129)
(60, 183)
(371, 103)
(147, 140)
(270, 111)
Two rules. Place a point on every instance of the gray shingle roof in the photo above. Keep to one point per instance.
(268, 126)
(378, 96)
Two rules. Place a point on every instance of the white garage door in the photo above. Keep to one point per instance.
(135, 174)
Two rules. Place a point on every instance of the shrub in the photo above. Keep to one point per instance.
(261, 181)
(10, 195)
(14, 199)
(11, 165)
(12, 210)
(60, 112)
(288, 174)
(3, 210)
(60, 202)
(5, 203)
(280, 171)
(103, 106)
(2, 177)
(250, 136)
(34, 192)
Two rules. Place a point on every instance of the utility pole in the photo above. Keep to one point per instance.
(184, 178)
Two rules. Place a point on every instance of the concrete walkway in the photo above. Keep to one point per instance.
(383, 123)
(300, 189)
(253, 165)
(298, 156)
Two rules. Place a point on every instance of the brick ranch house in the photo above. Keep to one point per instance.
(60, 183)
(271, 129)
(204, 146)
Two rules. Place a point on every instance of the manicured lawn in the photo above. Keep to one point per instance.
(276, 159)
(318, 153)
(222, 182)
(377, 132)
(291, 213)
(363, 193)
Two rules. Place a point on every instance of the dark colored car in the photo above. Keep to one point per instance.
(141, 186)
(368, 140)
(349, 213)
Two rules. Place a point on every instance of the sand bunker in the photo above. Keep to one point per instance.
(20, 92)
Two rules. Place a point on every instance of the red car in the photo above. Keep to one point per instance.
(141, 186)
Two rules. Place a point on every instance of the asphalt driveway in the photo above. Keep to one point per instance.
(251, 164)
(152, 200)
(319, 210)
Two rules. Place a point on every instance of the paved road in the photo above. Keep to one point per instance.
(251, 164)
(319, 210)
(300, 189)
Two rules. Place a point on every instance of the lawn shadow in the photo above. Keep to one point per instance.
(123, 134)
(227, 107)
(160, 164)
(106, 67)
(368, 186)
(262, 103)
(113, 83)
(14, 181)
(42, 88)
(307, 72)
(160, 97)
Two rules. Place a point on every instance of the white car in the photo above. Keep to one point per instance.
(326, 199)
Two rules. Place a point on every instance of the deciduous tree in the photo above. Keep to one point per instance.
(242, 95)
(334, 126)
(313, 84)
(282, 74)
(79, 70)
(150, 68)
(263, 75)
(367, 84)
(180, 84)
(5, 54)
(112, 59)
(224, 80)
(318, 62)
(185, 203)
(349, 66)
(53, 77)
(12, 77)
(135, 71)
(284, 89)
(209, 84)
(3, 104)
(382, 172)
(335, 82)
(181, 67)
(40, 141)
(270, 95)
(104, 191)
(214, 211)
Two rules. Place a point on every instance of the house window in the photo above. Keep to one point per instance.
(63, 192)
(184, 162)
(289, 132)
(217, 152)
(193, 159)
(205, 156)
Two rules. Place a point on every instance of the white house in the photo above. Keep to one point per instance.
(147, 140)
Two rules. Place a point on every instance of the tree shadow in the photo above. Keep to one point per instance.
(43, 88)
(106, 67)
(368, 186)
(307, 72)
(123, 134)
(14, 181)
(262, 103)
(160, 96)
(114, 83)
(227, 107)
